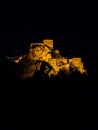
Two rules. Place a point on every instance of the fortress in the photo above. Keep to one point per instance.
(44, 52)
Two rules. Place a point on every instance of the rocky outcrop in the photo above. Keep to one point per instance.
(46, 61)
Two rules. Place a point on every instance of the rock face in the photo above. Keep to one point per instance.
(42, 59)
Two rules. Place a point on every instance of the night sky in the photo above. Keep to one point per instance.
(69, 29)
(72, 29)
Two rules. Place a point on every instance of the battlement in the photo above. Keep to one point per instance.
(46, 42)
(36, 44)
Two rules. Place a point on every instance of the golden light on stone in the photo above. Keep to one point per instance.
(44, 52)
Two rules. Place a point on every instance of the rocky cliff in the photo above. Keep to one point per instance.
(43, 60)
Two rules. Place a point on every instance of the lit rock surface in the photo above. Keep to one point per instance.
(43, 58)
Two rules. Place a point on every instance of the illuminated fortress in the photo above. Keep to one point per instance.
(40, 53)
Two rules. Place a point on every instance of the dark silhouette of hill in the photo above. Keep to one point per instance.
(53, 103)
(9, 75)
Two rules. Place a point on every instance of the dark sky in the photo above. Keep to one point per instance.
(69, 29)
